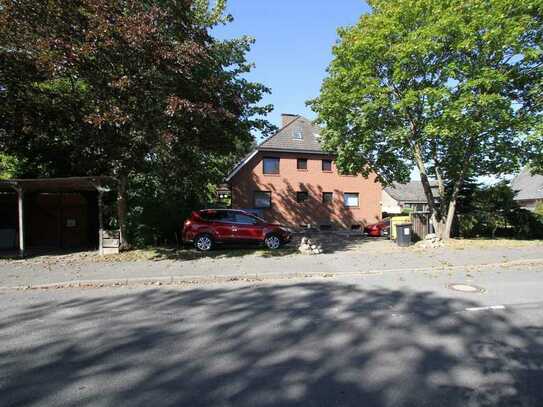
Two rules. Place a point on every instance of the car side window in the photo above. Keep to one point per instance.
(244, 219)
(225, 216)
(219, 216)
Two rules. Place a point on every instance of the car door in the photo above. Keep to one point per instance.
(247, 228)
(223, 225)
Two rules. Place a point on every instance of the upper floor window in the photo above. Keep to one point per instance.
(327, 165)
(298, 133)
(270, 165)
(301, 163)
(351, 199)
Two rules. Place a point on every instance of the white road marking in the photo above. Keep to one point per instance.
(488, 308)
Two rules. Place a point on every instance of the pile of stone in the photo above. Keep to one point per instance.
(431, 241)
(310, 246)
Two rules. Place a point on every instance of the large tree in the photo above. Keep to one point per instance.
(110, 86)
(447, 87)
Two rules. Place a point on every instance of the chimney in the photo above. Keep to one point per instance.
(287, 118)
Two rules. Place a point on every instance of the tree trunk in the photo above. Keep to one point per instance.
(122, 209)
(436, 220)
(451, 210)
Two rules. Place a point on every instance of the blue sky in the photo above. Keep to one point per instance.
(293, 45)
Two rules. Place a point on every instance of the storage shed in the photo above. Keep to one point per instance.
(53, 213)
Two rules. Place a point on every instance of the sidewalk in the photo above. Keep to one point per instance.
(371, 258)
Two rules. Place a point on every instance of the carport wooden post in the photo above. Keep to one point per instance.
(20, 197)
(100, 223)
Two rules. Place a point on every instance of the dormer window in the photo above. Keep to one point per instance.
(298, 133)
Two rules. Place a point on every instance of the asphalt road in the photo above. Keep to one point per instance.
(390, 340)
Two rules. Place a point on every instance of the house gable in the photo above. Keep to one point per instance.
(297, 135)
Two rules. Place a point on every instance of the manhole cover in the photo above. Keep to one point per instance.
(466, 288)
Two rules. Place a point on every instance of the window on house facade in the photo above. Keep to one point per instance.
(298, 133)
(302, 196)
(262, 199)
(327, 165)
(327, 197)
(350, 199)
(301, 163)
(270, 165)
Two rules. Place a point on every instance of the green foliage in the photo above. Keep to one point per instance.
(152, 98)
(406, 211)
(495, 212)
(447, 86)
(8, 166)
(158, 206)
(539, 210)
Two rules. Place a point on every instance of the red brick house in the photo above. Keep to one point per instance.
(290, 179)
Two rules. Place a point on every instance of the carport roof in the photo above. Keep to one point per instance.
(69, 184)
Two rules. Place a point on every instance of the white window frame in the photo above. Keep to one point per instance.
(347, 196)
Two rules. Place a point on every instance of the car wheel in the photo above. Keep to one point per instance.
(203, 243)
(273, 242)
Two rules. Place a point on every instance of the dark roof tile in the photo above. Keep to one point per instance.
(287, 137)
(410, 192)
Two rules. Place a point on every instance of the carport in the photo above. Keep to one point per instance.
(53, 213)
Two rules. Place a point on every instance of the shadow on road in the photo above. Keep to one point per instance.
(314, 344)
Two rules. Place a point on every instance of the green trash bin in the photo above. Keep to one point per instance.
(403, 234)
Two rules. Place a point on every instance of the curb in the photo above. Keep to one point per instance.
(175, 280)
(249, 278)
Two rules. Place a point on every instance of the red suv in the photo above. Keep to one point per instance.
(208, 227)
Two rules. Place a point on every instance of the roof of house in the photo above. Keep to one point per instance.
(528, 186)
(410, 192)
(300, 135)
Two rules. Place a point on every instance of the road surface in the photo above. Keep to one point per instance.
(402, 339)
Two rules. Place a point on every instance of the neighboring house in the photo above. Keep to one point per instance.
(288, 178)
(410, 195)
(528, 188)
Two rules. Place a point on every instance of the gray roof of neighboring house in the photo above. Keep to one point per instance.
(299, 135)
(410, 192)
(528, 186)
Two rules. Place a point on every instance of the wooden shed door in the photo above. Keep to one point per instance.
(74, 221)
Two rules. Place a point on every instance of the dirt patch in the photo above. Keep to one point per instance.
(491, 243)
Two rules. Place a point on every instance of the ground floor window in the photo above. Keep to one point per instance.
(351, 199)
(327, 197)
(417, 207)
(262, 199)
(302, 196)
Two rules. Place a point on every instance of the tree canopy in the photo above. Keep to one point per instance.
(448, 87)
(119, 87)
